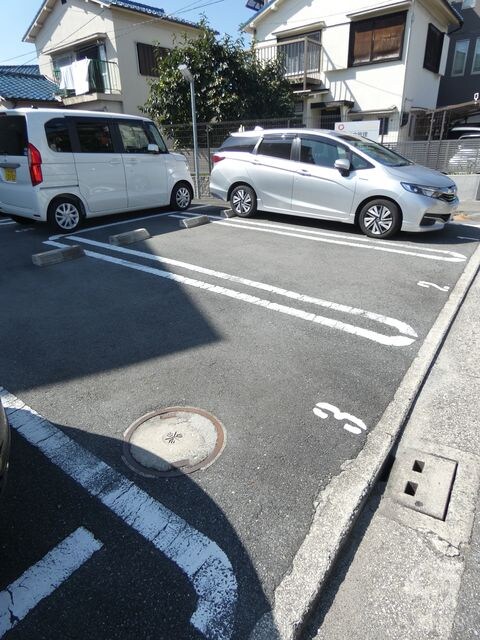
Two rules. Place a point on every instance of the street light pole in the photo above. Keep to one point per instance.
(186, 73)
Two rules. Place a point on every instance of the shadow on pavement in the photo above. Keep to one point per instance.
(130, 589)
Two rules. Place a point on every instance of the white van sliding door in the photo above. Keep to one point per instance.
(101, 176)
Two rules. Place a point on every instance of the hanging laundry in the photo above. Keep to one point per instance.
(66, 78)
(80, 76)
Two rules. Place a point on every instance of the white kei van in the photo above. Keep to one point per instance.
(63, 166)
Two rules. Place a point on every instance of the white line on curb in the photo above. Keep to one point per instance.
(397, 341)
(41, 580)
(205, 564)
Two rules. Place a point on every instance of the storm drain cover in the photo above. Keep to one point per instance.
(173, 441)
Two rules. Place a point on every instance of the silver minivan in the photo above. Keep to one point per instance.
(64, 166)
(331, 176)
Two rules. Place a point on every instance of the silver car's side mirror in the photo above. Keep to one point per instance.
(343, 165)
(153, 148)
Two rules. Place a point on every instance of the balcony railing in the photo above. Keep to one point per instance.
(103, 77)
(300, 58)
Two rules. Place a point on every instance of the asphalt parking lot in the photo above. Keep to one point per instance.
(294, 334)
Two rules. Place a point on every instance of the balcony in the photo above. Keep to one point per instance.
(300, 57)
(95, 77)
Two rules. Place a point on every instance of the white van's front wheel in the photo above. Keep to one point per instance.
(65, 214)
(181, 196)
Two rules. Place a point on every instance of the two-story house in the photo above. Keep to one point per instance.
(358, 60)
(462, 78)
(103, 52)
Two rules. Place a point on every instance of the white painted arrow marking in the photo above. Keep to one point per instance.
(205, 564)
(427, 285)
(44, 577)
(358, 425)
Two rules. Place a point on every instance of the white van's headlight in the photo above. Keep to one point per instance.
(430, 192)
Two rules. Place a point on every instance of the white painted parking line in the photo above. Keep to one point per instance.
(152, 216)
(41, 580)
(396, 340)
(205, 564)
(377, 245)
(442, 255)
(4, 223)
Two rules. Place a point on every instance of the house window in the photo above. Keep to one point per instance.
(460, 57)
(476, 57)
(148, 56)
(433, 49)
(377, 39)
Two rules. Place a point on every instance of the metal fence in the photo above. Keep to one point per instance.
(449, 156)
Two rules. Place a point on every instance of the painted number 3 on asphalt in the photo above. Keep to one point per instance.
(352, 424)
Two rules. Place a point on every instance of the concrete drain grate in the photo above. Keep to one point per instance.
(173, 441)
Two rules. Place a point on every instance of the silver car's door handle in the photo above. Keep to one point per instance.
(304, 172)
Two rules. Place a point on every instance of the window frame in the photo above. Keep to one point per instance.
(350, 155)
(114, 133)
(457, 42)
(153, 50)
(373, 20)
(277, 138)
(476, 52)
(68, 130)
(439, 37)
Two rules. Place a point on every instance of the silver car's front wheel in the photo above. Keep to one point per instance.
(380, 219)
(243, 201)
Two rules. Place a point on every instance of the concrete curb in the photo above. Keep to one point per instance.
(338, 505)
(189, 223)
(55, 256)
(129, 237)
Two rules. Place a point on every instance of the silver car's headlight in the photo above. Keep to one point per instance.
(430, 192)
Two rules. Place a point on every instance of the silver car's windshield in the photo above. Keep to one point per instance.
(377, 151)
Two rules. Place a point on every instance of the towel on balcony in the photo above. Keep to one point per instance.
(80, 76)
(66, 78)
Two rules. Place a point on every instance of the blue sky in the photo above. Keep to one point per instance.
(224, 15)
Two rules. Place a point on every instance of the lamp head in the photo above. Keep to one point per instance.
(186, 73)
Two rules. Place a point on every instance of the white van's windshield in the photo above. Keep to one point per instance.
(376, 151)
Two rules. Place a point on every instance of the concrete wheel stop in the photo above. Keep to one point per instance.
(190, 223)
(55, 256)
(129, 237)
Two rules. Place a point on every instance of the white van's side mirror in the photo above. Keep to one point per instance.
(153, 148)
(343, 165)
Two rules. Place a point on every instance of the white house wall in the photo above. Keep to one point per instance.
(380, 86)
(421, 85)
(149, 31)
(69, 23)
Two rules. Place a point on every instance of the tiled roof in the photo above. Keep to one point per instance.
(26, 83)
(152, 11)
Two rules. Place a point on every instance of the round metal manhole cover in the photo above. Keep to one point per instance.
(173, 441)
